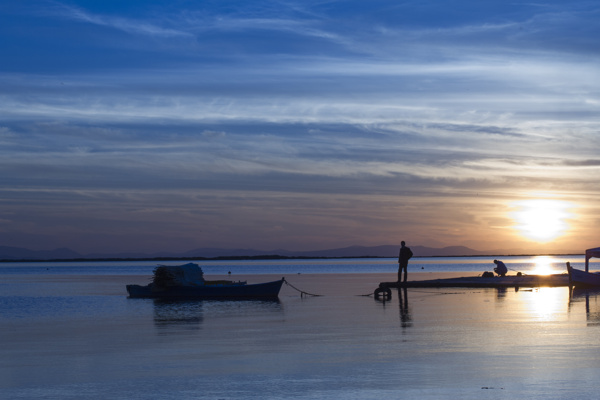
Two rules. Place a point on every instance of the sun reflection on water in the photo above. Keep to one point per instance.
(543, 265)
(547, 303)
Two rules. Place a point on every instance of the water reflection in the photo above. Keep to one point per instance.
(546, 302)
(180, 316)
(591, 299)
(186, 315)
(405, 317)
(501, 293)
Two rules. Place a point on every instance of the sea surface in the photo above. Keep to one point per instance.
(525, 264)
(68, 331)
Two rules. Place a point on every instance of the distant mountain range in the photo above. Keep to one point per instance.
(17, 253)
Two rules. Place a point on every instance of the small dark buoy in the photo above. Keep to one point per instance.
(229, 272)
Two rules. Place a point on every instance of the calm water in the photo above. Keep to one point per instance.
(537, 264)
(69, 331)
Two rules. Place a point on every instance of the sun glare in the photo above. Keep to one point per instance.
(547, 304)
(542, 220)
(543, 266)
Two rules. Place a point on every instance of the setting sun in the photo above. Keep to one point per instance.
(542, 220)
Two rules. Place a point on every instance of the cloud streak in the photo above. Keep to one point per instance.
(127, 25)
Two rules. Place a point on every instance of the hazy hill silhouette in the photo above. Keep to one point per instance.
(18, 253)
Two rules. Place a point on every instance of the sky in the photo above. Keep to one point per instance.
(146, 126)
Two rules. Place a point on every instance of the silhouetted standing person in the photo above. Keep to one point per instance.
(403, 257)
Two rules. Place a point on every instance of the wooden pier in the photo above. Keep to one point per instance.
(556, 280)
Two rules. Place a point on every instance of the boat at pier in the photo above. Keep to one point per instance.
(585, 279)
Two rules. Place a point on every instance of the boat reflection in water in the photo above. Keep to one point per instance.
(181, 316)
(591, 299)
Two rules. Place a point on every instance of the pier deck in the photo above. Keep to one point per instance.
(555, 280)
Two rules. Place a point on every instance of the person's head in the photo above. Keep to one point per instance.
(495, 261)
(402, 243)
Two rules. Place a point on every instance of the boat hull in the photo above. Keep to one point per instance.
(582, 279)
(267, 290)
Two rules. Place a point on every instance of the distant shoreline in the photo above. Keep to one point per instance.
(260, 257)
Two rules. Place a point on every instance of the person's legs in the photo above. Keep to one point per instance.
(400, 268)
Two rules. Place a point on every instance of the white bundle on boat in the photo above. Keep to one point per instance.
(179, 275)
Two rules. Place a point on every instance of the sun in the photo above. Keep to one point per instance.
(542, 220)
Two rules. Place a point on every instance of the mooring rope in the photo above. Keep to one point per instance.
(514, 270)
(302, 292)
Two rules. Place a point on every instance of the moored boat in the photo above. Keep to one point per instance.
(187, 282)
(581, 279)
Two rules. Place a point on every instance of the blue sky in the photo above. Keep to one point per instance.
(167, 126)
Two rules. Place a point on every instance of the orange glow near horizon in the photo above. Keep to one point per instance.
(542, 220)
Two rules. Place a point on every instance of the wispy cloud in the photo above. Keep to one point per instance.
(128, 25)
